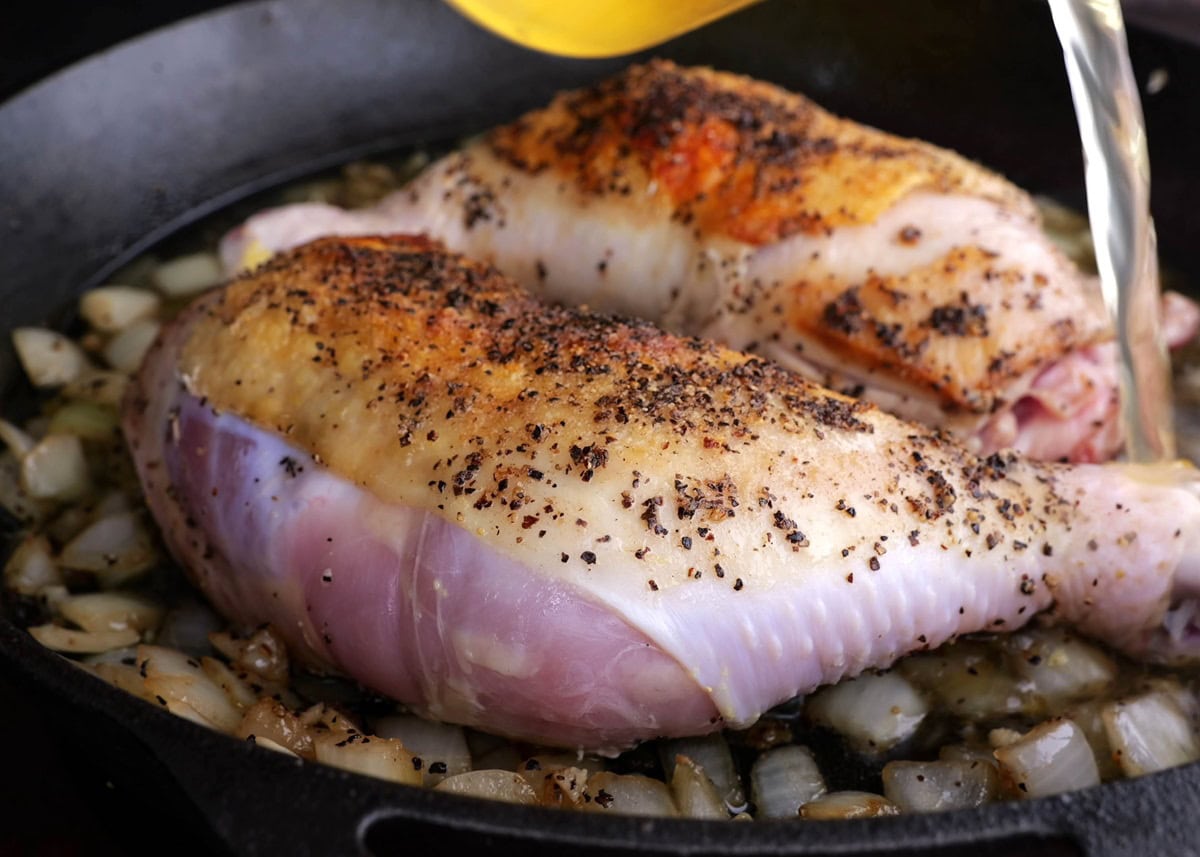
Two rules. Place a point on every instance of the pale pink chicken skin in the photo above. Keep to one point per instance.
(606, 535)
(725, 208)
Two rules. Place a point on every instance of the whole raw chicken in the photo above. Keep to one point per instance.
(723, 207)
(584, 531)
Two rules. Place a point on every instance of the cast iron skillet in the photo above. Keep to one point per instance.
(105, 158)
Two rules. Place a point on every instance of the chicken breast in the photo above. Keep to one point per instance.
(726, 208)
(584, 531)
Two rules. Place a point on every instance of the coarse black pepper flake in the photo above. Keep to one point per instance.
(873, 563)
(737, 585)
(588, 557)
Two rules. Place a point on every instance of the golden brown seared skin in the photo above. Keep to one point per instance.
(736, 157)
(741, 160)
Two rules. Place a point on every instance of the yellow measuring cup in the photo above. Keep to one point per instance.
(594, 28)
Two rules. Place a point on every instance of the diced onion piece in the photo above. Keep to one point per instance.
(848, 804)
(937, 786)
(56, 469)
(874, 711)
(31, 568)
(111, 611)
(85, 420)
(383, 758)
(127, 678)
(268, 744)
(99, 386)
(116, 548)
(506, 786)
(82, 642)
(712, 753)
(694, 793)
(13, 496)
(271, 719)
(49, 358)
(111, 308)
(263, 653)
(784, 779)
(187, 275)
(124, 352)
(179, 683)
(1150, 733)
(239, 692)
(1059, 666)
(17, 440)
(966, 678)
(556, 783)
(628, 794)
(1089, 716)
(442, 747)
(1051, 758)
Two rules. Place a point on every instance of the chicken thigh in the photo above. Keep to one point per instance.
(726, 208)
(580, 530)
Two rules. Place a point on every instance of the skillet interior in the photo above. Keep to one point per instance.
(107, 157)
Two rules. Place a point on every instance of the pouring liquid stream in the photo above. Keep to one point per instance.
(1108, 109)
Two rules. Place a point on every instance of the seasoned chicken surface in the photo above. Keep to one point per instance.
(727, 208)
(584, 531)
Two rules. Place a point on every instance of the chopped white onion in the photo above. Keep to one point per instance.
(13, 496)
(383, 758)
(124, 352)
(1089, 716)
(271, 719)
(848, 804)
(968, 679)
(938, 786)
(116, 549)
(85, 420)
(180, 685)
(188, 275)
(111, 308)
(1051, 758)
(127, 678)
(49, 358)
(784, 779)
(56, 469)
(694, 793)
(628, 794)
(32, 568)
(111, 611)
(240, 693)
(441, 747)
(1150, 732)
(100, 386)
(712, 753)
(874, 711)
(17, 440)
(82, 642)
(507, 786)
(1059, 666)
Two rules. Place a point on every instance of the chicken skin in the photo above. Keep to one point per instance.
(580, 530)
(727, 208)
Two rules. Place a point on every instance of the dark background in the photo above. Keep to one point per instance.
(50, 802)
